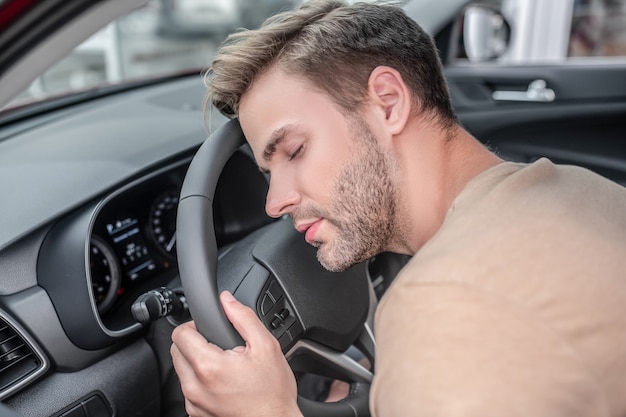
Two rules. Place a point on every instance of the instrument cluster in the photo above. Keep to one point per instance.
(133, 231)
(134, 237)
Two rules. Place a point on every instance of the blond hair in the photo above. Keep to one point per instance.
(335, 46)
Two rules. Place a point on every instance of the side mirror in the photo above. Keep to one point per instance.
(485, 32)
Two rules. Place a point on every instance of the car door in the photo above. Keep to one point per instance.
(545, 92)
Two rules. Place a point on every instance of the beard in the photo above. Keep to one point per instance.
(363, 209)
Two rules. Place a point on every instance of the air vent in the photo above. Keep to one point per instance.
(19, 362)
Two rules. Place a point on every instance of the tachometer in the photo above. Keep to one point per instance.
(105, 274)
(163, 223)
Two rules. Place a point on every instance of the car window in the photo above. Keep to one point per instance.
(539, 32)
(598, 28)
(164, 37)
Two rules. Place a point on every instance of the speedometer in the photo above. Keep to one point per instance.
(105, 274)
(163, 223)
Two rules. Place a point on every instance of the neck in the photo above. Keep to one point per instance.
(435, 165)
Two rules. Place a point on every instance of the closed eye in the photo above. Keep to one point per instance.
(297, 151)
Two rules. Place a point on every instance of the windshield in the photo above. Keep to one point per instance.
(165, 37)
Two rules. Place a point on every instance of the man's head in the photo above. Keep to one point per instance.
(327, 170)
(322, 95)
(335, 46)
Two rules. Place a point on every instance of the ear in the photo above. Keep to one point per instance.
(391, 96)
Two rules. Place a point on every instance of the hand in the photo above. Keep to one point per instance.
(339, 389)
(250, 380)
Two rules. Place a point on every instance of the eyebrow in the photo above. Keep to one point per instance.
(276, 138)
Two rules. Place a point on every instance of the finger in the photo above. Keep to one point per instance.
(183, 369)
(193, 382)
(192, 345)
(245, 320)
(187, 338)
(194, 410)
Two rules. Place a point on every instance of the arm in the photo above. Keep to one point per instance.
(250, 380)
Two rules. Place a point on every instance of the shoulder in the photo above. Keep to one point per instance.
(505, 295)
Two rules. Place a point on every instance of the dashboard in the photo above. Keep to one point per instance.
(97, 261)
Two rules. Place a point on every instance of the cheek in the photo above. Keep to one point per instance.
(320, 170)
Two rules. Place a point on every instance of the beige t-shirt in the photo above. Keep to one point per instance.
(516, 307)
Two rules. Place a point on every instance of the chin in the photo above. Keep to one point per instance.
(335, 263)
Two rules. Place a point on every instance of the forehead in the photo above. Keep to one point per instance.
(278, 103)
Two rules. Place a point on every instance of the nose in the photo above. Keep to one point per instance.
(282, 198)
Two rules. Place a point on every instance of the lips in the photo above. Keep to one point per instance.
(309, 230)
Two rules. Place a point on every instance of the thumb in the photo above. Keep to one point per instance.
(244, 320)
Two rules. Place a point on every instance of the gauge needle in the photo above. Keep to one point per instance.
(171, 243)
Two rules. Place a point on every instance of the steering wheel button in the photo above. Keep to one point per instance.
(285, 340)
(276, 322)
(275, 291)
(284, 313)
(295, 330)
(266, 304)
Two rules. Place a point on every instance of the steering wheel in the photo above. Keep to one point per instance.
(316, 315)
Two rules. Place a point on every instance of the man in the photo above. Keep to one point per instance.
(513, 303)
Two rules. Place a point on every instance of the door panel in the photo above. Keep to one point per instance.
(585, 124)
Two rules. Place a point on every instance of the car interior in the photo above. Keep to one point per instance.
(125, 209)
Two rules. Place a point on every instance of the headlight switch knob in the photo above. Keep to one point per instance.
(159, 303)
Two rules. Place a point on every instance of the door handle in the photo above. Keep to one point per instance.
(537, 92)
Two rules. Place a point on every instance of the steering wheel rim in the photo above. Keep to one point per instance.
(197, 258)
(197, 252)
